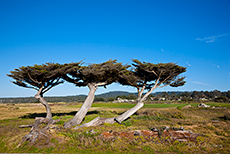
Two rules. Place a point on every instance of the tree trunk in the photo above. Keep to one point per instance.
(130, 112)
(48, 109)
(100, 121)
(77, 119)
(97, 121)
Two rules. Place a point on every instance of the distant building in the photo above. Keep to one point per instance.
(161, 99)
(120, 100)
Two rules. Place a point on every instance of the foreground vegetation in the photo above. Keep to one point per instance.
(212, 123)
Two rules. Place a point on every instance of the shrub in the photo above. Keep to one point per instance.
(177, 115)
(226, 116)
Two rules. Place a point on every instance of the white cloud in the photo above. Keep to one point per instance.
(211, 38)
(162, 50)
(216, 66)
(200, 83)
(188, 64)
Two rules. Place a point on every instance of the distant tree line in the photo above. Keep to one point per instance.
(197, 96)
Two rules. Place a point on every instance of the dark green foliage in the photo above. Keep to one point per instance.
(99, 99)
(226, 116)
(131, 96)
(149, 76)
(121, 96)
(167, 73)
(111, 99)
(43, 76)
(106, 72)
(221, 99)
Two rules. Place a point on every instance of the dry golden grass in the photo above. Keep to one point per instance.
(11, 111)
(208, 122)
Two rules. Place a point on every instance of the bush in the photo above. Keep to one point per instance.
(177, 115)
(99, 99)
(226, 116)
(111, 99)
(221, 99)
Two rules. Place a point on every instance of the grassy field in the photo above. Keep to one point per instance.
(211, 123)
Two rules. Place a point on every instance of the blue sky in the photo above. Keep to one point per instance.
(192, 33)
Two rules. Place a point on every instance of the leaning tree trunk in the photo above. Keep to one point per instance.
(129, 112)
(100, 121)
(77, 119)
(43, 101)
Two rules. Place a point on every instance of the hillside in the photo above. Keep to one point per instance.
(170, 95)
(62, 98)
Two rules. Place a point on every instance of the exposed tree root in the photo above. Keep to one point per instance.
(42, 120)
(36, 131)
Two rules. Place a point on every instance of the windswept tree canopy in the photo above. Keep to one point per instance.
(101, 74)
(160, 74)
(148, 76)
(39, 77)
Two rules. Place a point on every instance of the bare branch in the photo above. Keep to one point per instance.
(154, 72)
(101, 84)
(33, 79)
(39, 92)
(141, 92)
(151, 90)
(52, 85)
(163, 85)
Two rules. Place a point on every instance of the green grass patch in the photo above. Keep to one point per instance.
(113, 105)
(158, 105)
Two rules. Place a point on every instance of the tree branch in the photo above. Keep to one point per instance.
(164, 80)
(39, 93)
(154, 72)
(141, 92)
(163, 86)
(33, 79)
(52, 85)
(154, 87)
(101, 84)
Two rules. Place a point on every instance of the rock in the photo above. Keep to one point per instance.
(187, 106)
(91, 131)
(154, 129)
(178, 134)
(203, 105)
(166, 127)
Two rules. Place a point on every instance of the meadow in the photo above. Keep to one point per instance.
(211, 123)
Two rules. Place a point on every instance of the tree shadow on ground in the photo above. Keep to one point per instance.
(34, 115)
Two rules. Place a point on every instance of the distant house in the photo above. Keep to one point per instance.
(120, 100)
(161, 99)
(203, 99)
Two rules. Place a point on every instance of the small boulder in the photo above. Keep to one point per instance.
(187, 106)
(202, 105)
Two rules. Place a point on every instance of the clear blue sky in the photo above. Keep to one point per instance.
(193, 33)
